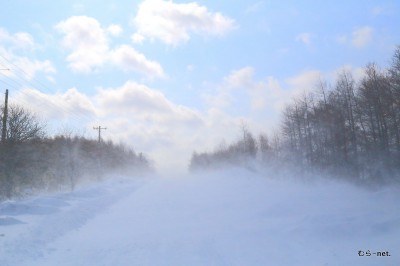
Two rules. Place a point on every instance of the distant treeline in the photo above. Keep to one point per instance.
(349, 129)
(31, 162)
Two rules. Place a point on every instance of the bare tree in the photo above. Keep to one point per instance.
(17, 160)
(22, 125)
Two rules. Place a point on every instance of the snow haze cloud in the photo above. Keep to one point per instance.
(187, 221)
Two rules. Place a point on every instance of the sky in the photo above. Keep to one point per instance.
(171, 77)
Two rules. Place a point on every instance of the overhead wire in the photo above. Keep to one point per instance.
(21, 79)
(18, 83)
(22, 90)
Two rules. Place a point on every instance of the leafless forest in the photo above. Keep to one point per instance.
(348, 130)
(31, 162)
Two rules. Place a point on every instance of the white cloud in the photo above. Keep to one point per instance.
(90, 48)
(261, 94)
(260, 101)
(137, 38)
(255, 7)
(140, 101)
(24, 39)
(240, 78)
(358, 73)
(172, 22)
(114, 30)
(16, 63)
(87, 40)
(133, 98)
(219, 99)
(12, 49)
(78, 7)
(264, 99)
(304, 37)
(129, 59)
(265, 93)
(150, 122)
(31, 67)
(19, 40)
(190, 67)
(361, 36)
(268, 92)
(380, 10)
(304, 82)
(342, 39)
(60, 106)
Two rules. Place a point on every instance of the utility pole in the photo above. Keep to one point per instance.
(99, 128)
(5, 114)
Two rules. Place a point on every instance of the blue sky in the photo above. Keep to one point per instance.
(170, 77)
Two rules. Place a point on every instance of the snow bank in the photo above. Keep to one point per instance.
(221, 218)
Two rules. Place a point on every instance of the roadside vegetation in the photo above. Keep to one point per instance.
(31, 161)
(349, 129)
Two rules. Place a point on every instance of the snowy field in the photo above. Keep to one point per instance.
(223, 218)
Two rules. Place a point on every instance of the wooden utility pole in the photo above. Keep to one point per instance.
(5, 114)
(99, 128)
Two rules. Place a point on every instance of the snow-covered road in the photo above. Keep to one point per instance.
(225, 218)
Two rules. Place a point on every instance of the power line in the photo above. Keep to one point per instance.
(20, 79)
(48, 102)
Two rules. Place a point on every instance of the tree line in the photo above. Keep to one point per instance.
(348, 129)
(240, 152)
(31, 161)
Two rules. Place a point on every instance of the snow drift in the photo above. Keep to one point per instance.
(220, 218)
